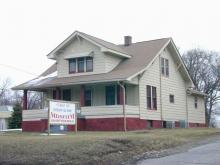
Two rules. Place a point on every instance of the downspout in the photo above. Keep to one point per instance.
(161, 109)
(123, 105)
(187, 111)
(139, 107)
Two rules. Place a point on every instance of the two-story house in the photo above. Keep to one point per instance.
(133, 85)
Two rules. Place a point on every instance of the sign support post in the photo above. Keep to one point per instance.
(76, 121)
(48, 123)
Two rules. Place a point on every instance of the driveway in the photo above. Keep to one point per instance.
(208, 154)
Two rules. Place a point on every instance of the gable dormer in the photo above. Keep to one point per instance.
(81, 54)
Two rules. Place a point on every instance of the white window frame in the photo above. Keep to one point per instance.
(164, 66)
(196, 102)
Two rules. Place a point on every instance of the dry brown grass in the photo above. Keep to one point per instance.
(92, 147)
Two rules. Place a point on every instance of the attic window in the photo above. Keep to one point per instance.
(80, 65)
(72, 66)
(164, 66)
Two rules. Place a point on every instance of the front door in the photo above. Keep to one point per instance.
(67, 94)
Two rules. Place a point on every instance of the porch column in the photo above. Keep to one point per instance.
(25, 100)
(58, 93)
(121, 95)
(82, 95)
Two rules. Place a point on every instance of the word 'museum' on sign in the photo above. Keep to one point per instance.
(62, 113)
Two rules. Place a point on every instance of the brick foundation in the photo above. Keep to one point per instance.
(157, 124)
(177, 124)
(102, 124)
(192, 125)
(41, 126)
(34, 126)
(114, 124)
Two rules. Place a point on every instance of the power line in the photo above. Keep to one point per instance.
(18, 69)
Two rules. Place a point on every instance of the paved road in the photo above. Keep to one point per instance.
(208, 154)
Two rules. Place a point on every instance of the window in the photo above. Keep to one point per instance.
(196, 102)
(112, 94)
(80, 64)
(54, 94)
(89, 64)
(154, 97)
(171, 98)
(72, 65)
(164, 67)
(167, 67)
(151, 97)
(148, 97)
(88, 97)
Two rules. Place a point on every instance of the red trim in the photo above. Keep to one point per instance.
(157, 124)
(177, 124)
(82, 95)
(34, 126)
(101, 124)
(25, 100)
(197, 125)
(58, 93)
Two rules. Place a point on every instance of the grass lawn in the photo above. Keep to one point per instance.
(92, 147)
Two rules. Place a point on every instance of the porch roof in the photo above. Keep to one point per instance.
(142, 55)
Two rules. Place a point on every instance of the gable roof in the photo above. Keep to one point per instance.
(143, 53)
(105, 46)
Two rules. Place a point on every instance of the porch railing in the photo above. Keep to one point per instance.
(101, 111)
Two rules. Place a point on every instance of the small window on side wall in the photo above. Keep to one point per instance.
(196, 102)
(151, 97)
(171, 98)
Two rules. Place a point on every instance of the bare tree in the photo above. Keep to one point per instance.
(34, 100)
(204, 68)
(5, 92)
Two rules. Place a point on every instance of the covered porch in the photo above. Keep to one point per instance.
(101, 104)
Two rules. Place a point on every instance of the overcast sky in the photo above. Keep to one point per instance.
(31, 29)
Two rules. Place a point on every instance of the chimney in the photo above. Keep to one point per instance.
(127, 40)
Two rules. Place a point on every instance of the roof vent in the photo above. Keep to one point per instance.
(127, 40)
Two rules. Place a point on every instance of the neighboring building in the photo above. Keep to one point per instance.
(215, 117)
(149, 78)
(5, 114)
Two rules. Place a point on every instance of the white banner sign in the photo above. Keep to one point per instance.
(62, 113)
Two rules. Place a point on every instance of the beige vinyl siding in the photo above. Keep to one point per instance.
(196, 115)
(173, 84)
(150, 77)
(111, 62)
(132, 93)
(80, 46)
(102, 62)
(109, 111)
(37, 114)
(5, 114)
